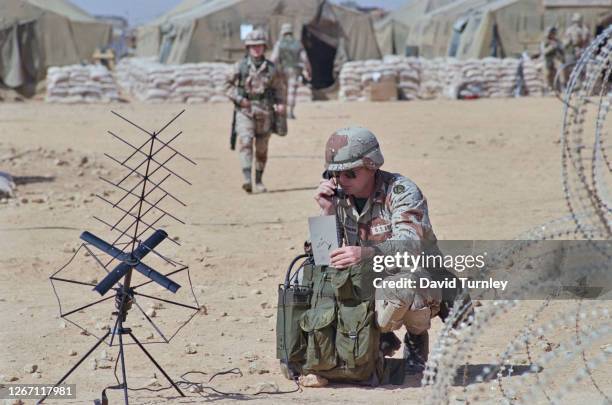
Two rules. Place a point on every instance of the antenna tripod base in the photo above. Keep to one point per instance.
(120, 330)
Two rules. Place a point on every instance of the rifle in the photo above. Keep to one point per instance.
(233, 133)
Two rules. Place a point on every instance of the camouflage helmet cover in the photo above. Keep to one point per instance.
(256, 37)
(286, 28)
(352, 147)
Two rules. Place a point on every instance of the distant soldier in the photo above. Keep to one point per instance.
(577, 38)
(257, 90)
(291, 59)
(552, 53)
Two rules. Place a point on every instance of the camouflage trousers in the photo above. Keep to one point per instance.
(292, 81)
(550, 73)
(412, 308)
(253, 130)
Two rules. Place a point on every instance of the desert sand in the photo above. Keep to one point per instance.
(489, 168)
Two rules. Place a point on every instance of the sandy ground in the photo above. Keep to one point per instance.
(490, 170)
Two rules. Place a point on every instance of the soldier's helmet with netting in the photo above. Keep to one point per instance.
(352, 147)
(256, 37)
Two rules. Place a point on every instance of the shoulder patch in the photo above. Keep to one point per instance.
(398, 189)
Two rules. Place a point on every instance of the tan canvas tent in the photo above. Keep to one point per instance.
(393, 31)
(36, 34)
(481, 28)
(211, 31)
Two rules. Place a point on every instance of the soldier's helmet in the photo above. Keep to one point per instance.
(256, 37)
(577, 18)
(286, 29)
(353, 147)
(551, 30)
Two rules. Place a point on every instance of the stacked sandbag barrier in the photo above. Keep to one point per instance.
(150, 81)
(80, 84)
(419, 78)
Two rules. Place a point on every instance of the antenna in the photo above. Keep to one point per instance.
(141, 192)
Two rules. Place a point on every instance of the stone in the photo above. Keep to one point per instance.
(190, 349)
(153, 383)
(105, 364)
(104, 355)
(266, 386)
(312, 381)
(249, 356)
(151, 313)
(157, 305)
(102, 326)
(72, 353)
(194, 389)
(60, 162)
(255, 292)
(93, 364)
(30, 368)
(150, 336)
(203, 310)
(37, 375)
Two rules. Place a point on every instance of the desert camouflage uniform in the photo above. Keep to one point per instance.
(259, 82)
(290, 57)
(577, 38)
(552, 53)
(394, 214)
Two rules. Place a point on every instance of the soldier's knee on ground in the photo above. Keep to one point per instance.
(412, 308)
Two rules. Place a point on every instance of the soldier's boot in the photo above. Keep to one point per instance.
(389, 344)
(291, 114)
(259, 186)
(247, 186)
(416, 351)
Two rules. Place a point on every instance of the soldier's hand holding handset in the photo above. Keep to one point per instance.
(324, 196)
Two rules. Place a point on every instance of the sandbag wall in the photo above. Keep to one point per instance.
(150, 81)
(80, 84)
(441, 77)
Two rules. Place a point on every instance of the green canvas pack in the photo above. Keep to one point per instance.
(335, 335)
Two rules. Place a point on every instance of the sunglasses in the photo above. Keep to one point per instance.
(350, 174)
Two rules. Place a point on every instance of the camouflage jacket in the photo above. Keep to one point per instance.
(289, 54)
(576, 39)
(396, 212)
(551, 50)
(261, 84)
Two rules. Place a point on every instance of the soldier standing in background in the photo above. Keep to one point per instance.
(552, 53)
(291, 59)
(577, 38)
(257, 91)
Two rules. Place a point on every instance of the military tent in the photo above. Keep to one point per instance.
(212, 30)
(594, 12)
(481, 28)
(392, 32)
(36, 34)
